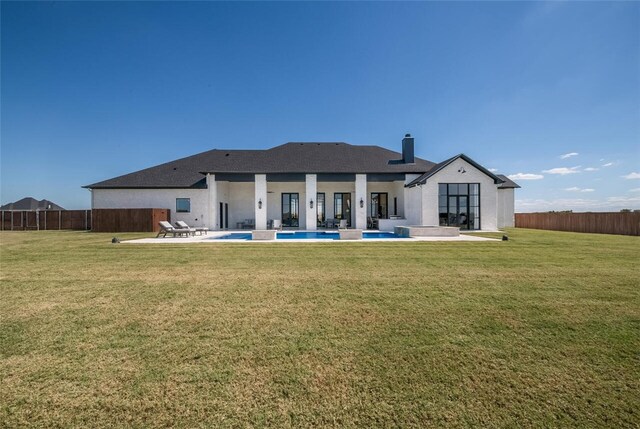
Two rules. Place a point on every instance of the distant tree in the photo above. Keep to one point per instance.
(625, 211)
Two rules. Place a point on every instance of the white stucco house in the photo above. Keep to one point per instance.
(315, 185)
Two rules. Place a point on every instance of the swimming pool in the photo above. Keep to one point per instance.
(309, 235)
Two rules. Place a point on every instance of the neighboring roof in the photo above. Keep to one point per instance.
(423, 179)
(293, 157)
(508, 183)
(29, 203)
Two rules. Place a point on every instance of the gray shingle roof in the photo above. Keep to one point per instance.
(29, 203)
(292, 157)
(508, 183)
(437, 167)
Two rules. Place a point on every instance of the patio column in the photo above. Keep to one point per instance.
(211, 220)
(361, 195)
(311, 192)
(261, 201)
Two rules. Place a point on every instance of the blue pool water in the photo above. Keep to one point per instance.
(302, 235)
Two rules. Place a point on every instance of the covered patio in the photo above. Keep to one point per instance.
(306, 201)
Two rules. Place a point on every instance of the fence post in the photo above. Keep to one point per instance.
(59, 220)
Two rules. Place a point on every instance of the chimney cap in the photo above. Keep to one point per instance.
(407, 135)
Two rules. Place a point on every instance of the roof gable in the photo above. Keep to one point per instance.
(438, 167)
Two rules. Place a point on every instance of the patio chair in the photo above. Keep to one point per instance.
(167, 228)
(343, 224)
(277, 224)
(249, 224)
(194, 230)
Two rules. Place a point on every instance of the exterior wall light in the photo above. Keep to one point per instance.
(310, 204)
(260, 204)
(361, 203)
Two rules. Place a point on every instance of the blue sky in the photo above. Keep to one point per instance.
(548, 93)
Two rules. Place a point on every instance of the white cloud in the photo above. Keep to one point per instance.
(493, 170)
(591, 169)
(633, 175)
(608, 164)
(525, 176)
(634, 190)
(576, 189)
(563, 170)
(568, 155)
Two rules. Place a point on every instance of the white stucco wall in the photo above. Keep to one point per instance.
(155, 198)
(412, 201)
(450, 174)
(506, 208)
(241, 202)
(311, 190)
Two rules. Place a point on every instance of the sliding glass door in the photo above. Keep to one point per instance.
(342, 206)
(290, 209)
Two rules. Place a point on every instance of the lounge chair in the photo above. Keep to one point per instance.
(167, 228)
(194, 230)
(343, 224)
(277, 224)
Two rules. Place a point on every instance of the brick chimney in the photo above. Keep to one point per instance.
(407, 150)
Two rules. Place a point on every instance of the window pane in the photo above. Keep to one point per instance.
(474, 188)
(442, 188)
(443, 216)
(453, 189)
(183, 205)
(442, 200)
(474, 200)
(463, 189)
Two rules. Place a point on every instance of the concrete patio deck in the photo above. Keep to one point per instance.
(213, 237)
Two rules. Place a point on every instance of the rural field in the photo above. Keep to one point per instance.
(540, 331)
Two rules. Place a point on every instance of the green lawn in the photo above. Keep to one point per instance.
(539, 331)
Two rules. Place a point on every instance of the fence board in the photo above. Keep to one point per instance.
(128, 220)
(19, 220)
(600, 223)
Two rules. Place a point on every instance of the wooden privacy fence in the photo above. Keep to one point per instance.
(602, 223)
(98, 220)
(128, 220)
(19, 220)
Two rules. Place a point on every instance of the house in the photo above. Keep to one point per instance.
(29, 203)
(304, 185)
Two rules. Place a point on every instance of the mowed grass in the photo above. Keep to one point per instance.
(539, 331)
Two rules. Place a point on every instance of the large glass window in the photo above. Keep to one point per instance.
(320, 208)
(342, 206)
(290, 209)
(379, 205)
(183, 205)
(459, 205)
